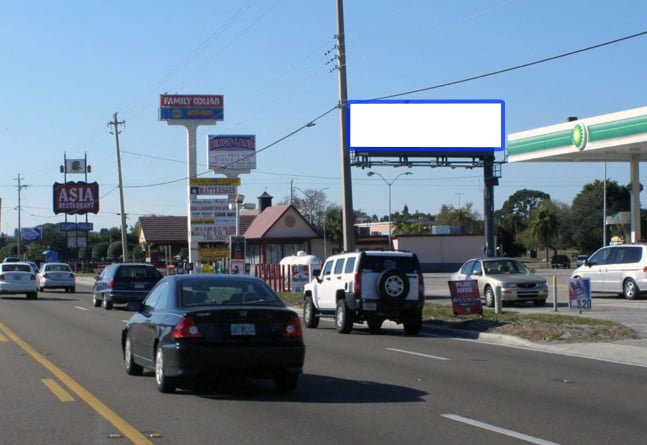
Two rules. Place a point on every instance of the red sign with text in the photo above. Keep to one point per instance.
(76, 198)
(465, 296)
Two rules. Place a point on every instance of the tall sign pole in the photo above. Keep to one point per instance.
(348, 216)
(191, 111)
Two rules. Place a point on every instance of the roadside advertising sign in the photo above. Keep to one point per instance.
(579, 295)
(76, 198)
(214, 190)
(207, 182)
(232, 152)
(191, 107)
(211, 220)
(75, 166)
(31, 234)
(465, 297)
(75, 227)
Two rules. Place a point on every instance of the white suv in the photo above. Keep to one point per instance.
(367, 286)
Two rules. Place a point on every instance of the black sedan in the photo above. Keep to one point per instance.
(209, 325)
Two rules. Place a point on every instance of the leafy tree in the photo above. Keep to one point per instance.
(469, 220)
(543, 225)
(586, 212)
(513, 219)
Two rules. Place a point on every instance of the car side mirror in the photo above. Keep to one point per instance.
(96, 278)
(478, 272)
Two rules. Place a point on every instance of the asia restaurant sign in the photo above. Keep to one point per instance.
(76, 198)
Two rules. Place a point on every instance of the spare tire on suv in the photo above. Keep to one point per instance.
(367, 287)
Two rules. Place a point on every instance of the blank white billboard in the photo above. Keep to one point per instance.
(426, 126)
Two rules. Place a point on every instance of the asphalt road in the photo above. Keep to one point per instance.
(62, 382)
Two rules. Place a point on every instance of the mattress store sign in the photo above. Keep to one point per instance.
(76, 198)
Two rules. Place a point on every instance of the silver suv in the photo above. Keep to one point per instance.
(619, 269)
(367, 287)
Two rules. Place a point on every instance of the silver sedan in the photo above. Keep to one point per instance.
(516, 281)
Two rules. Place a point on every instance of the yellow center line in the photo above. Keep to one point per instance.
(3, 338)
(58, 390)
(102, 409)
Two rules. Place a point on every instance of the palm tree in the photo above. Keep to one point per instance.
(544, 225)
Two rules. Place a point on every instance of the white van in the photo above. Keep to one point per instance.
(619, 269)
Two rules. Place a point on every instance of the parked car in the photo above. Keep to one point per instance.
(33, 265)
(18, 278)
(123, 283)
(201, 326)
(517, 282)
(11, 259)
(560, 262)
(56, 276)
(581, 259)
(367, 287)
(619, 269)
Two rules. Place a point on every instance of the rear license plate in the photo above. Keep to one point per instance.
(243, 329)
(370, 306)
(140, 285)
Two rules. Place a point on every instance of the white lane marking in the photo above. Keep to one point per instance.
(435, 357)
(82, 308)
(496, 429)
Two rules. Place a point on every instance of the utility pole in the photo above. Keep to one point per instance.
(348, 215)
(124, 228)
(20, 187)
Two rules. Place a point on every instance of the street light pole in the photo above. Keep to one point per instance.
(389, 184)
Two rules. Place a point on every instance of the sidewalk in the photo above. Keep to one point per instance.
(632, 314)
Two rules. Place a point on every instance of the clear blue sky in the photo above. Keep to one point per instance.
(69, 66)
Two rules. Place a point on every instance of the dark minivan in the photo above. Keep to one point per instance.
(122, 283)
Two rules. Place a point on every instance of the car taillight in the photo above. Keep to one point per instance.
(357, 283)
(33, 277)
(2, 276)
(71, 275)
(293, 328)
(186, 328)
(111, 283)
(45, 275)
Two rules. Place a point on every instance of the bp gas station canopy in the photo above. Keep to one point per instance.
(614, 137)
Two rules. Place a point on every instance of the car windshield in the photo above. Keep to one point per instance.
(494, 267)
(217, 292)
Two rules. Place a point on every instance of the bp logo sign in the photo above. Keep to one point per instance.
(579, 136)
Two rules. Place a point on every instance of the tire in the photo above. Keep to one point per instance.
(309, 318)
(287, 381)
(164, 383)
(343, 319)
(374, 324)
(489, 296)
(32, 295)
(107, 304)
(41, 289)
(73, 289)
(413, 324)
(392, 285)
(539, 303)
(95, 301)
(132, 368)
(630, 289)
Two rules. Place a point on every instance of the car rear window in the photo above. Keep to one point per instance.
(137, 273)
(16, 268)
(227, 292)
